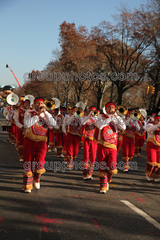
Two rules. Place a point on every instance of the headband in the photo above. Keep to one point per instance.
(110, 104)
(92, 108)
(157, 117)
(38, 99)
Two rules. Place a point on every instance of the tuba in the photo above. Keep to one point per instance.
(30, 98)
(143, 112)
(12, 99)
(51, 104)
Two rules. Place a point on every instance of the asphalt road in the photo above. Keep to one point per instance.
(68, 207)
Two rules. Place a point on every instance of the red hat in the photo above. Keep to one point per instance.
(63, 109)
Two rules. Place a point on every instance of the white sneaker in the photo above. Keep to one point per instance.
(156, 180)
(104, 191)
(125, 170)
(62, 155)
(37, 185)
(88, 178)
(27, 191)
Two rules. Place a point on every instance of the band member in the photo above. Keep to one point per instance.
(153, 150)
(52, 134)
(140, 136)
(65, 132)
(36, 123)
(128, 145)
(59, 134)
(89, 144)
(19, 121)
(106, 135)
(73, 136)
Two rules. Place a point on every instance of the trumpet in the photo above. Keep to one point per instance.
(78, 112)
(121, 110)
(51, 104)
(95, 113)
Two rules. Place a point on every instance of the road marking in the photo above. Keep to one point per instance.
(143, 214)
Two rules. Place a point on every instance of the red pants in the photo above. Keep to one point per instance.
(51, 139)
(33, 161)
(139, 143)
(72, 148)
(119, 144)
(128, 148)
(153, 160)
(107, 159)
(89, 148)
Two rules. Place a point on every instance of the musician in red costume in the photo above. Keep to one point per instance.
(59, 133)
(36, 123)
(89, 144)
(153, 150)
(73, 136)
(128, 145)
(106, 135)
(65, 132)
(19, 121)
(140, 136)
(52, 134)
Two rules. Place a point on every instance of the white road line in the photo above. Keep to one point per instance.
(143, 214)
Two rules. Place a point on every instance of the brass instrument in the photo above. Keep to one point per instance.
(78, 112)
(12, 99)
(30, 98)
(135, 114)
(80, 105)
(95, 113)
(51, 104)
(121, 110)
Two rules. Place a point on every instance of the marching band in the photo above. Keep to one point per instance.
(38, 122)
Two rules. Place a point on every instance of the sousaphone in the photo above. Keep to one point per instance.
(30, 98)
(79, 110)
(143, 112)
(12, 99)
